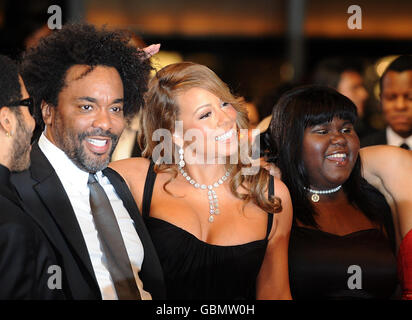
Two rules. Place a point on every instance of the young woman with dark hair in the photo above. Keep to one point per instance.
(342, 224)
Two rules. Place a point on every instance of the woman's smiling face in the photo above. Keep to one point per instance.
(205, 113)
(329, 153)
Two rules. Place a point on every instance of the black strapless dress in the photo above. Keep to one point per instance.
(196, 270)
(320, 265)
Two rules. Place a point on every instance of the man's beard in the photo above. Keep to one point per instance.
(73, 147)
(20, 154)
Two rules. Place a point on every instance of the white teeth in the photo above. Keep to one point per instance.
(337, 155)
(97, 143)
(224, 136)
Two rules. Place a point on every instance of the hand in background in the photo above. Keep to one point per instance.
(271, 167)
(152, 49)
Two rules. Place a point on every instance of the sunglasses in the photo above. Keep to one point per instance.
(29, 102)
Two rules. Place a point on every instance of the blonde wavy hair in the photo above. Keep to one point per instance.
(161, 111)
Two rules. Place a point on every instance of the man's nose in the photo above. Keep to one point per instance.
(400, 103)
(103, 120)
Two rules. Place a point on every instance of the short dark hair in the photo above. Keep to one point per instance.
(10, 89)
(328, 72)
(44, 67)
(400, 64)
(296, 110)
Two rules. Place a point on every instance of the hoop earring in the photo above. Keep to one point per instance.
(182, 162)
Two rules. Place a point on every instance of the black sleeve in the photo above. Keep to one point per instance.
(25, 258)
(48, 275)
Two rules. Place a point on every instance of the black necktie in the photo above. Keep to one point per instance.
(405, 146)
(118, 262)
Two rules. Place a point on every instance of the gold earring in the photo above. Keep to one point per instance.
(8, 134)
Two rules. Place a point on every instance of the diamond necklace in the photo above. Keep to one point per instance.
(315, 196)
(212, 196)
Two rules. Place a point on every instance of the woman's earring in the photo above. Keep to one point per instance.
(8, 134)
(181, 161)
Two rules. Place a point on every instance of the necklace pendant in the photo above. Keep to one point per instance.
(315, 197)
(315, 193)
(211, 194)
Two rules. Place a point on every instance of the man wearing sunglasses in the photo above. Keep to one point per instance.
(25, 255)
(28, 102)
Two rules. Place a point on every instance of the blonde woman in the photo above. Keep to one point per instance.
(218, 232)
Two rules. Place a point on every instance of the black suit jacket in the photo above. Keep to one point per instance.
(41, 190)
(373, 139)
(25, 254)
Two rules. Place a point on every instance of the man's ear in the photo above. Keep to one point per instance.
(47, 112)
(7, 120)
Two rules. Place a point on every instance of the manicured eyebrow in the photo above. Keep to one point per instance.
(202, 106)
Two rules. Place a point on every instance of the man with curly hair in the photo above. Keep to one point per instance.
(26, 256)
(88, 82)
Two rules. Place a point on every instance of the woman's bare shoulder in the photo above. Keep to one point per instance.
(285, 216)
(133, 170)
(383, 160)
(281, 190)
(384, 152)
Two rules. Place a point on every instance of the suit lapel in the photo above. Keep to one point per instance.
(151, 273)
(54, 197)
(123, 192)
(7, 190)
(7, 193)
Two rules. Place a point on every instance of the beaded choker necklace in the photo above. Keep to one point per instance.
(315, 196)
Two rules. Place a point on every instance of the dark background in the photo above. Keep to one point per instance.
(251, 45)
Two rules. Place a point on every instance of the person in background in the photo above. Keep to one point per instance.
(396, 101)
(267, 103)
(339, 219)
(346, 76)
(26, 255)
(253, 118)
(252, 114)
(87, 82)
